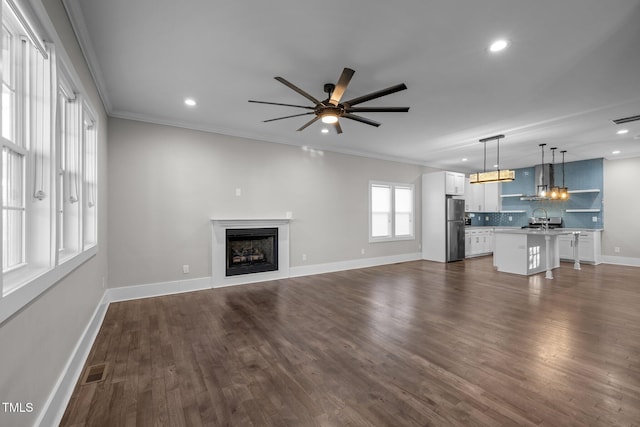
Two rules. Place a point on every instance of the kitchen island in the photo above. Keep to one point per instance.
(529, 251)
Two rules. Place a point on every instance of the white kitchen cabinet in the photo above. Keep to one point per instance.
(454, 183)
(478, 242)
(487, 242)
(468, 243)
(483, 198)
(434, 222)
(474, 198)
(492, 199)
(590, 246)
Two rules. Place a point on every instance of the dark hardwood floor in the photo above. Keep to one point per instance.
(409, 344)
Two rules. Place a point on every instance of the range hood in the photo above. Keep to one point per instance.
(543, 178)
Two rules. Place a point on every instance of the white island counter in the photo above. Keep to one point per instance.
(528, 251)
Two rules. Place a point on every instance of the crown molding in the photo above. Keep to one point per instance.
(76, 17)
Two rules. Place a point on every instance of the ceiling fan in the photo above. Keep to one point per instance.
(331, 109)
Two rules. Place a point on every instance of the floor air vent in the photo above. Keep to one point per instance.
(626, 120)
(94, 374)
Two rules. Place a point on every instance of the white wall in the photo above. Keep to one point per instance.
(166, 184)
(37, 342)
(621, 208)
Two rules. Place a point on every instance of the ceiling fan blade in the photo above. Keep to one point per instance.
(341, 86)
(297, 89)
(374, 95)
(360, 119)
(288, 117)
(285, 105)
(310, 122)
(338, 127)
(378, 110)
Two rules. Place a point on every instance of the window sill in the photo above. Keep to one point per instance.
(391, 239)
(34, 283)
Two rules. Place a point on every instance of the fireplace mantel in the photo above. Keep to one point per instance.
(218, 252)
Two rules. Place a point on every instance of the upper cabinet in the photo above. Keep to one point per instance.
(483, 197)
(454, 183)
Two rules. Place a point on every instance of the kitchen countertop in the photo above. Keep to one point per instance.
(506, 227)
(534, 231)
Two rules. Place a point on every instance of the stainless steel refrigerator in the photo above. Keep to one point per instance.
(455, 229)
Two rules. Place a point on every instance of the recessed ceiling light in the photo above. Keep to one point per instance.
(495, 166)
(190, 102)
(616, 152)
(325, 130)
(499, 45)
(622, 131)
(465, 159)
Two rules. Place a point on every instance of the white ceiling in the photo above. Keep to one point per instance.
(573, 66)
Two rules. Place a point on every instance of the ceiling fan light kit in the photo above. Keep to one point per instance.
(498, 175)
(332, 109)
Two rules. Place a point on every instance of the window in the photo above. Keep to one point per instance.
(90, 139)
(14, 147)
(391, 211)
(69, 168)
(49, 148)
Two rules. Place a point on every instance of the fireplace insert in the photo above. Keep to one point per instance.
(251, 250)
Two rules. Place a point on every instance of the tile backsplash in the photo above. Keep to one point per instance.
(510, 219)
(584, 209)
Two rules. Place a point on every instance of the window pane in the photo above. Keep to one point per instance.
(12, 179)
(7, 112)
(12, 238)
(8, 95)
(380, 225)
(380, 198)
(403, 224)
(404, 199)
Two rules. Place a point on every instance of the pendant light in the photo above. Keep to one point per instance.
(542, 189)
(564, 192)
(496, 175)
(554, 193)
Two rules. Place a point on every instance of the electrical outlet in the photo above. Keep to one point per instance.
(616, 249)
(185, 269)
(486, 218)
(419, 246)
(510, 218)
(594, 219)
(289, 214)
(238, 192)
(362, 251)
(304, 257)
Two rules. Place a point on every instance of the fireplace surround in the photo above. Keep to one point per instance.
(255, 256)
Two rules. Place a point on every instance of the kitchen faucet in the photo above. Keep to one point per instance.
(545, 223)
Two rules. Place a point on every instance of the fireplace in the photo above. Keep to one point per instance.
(220, 256)
(251, 250)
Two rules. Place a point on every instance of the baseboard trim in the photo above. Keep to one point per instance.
(331, 267)
(127, 293)
(58, 400)
(621, 260)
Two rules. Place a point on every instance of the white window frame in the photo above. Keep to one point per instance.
(18, 145)
(90, 177)
(36, 128)
(392, 213)
(69, 170)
